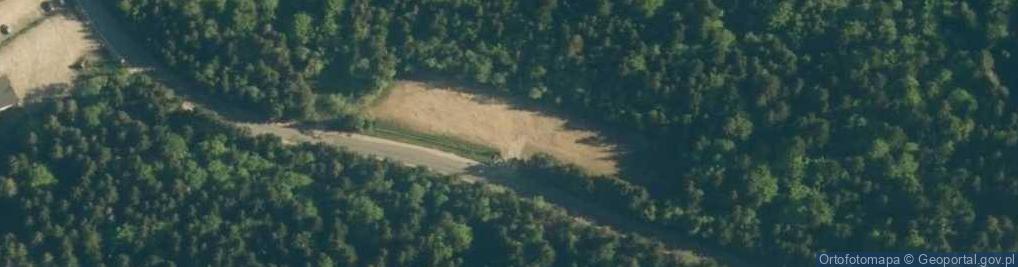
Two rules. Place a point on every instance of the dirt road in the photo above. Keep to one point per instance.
(134, 54)
(436, 160)
(472, 171)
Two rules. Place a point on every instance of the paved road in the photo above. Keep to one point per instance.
(121, 44)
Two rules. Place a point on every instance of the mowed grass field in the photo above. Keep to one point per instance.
(466, 124)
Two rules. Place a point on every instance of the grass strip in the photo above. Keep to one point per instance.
(393, 131)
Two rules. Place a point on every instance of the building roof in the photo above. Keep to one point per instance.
(7, 96)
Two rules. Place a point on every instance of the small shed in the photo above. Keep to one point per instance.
(7, 97)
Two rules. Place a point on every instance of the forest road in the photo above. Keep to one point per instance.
(121, 45)
(436, 160)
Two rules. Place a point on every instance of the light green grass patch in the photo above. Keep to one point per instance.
(394, 131)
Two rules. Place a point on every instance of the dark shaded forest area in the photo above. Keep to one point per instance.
(775, 127)
(120, 175)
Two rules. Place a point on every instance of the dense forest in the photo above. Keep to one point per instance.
(121, 175)
(776, 127)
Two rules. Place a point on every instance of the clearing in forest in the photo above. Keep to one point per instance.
(514, 132)
(44, 55)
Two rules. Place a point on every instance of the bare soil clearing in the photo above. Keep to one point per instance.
(43, 56)
(515, 133)
(19, 13)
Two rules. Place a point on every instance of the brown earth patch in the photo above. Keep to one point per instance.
(515, 133)
(19, 13)
(43, 56)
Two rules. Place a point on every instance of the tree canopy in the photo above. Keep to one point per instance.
(152, 184)
(777, 127)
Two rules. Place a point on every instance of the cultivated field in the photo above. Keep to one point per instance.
(44, 55)
(515, 133)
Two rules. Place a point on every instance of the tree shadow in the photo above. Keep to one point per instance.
(46, 92)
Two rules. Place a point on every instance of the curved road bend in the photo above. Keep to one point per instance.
(121, 44)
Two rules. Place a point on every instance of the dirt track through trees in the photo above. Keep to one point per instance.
(439, 161)
(448, 164)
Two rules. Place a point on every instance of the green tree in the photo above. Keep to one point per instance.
(762, 185)
(302, 28)
(738, 127)
(8, 188)
(39, 176)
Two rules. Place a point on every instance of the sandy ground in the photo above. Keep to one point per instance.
(516, 133)
(43, 56)
(19, 13)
